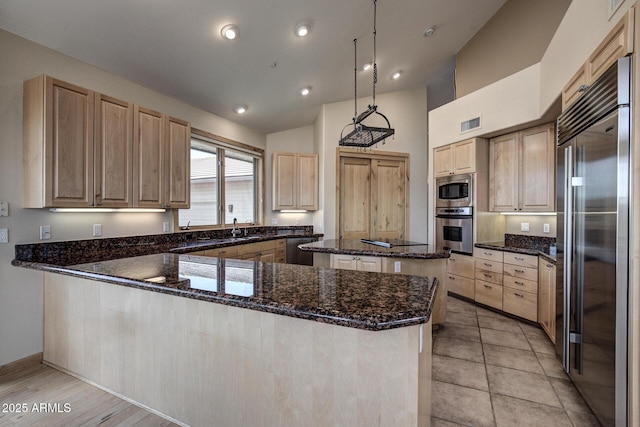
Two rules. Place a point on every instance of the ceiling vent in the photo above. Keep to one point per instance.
(470, 125)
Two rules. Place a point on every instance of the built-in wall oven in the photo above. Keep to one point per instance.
(454, 229)
(454, 191)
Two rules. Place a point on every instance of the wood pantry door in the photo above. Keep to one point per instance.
(372, 196)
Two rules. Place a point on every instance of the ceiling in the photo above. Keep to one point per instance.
(175, 47)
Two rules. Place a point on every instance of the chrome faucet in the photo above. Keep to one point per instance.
(247, 223)
(235, 232)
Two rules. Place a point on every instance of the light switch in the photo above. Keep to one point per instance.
(45, 232)
(4, 235)
(97, 230)
(524, 226)
(545, 228)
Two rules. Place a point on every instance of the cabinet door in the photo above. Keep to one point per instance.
(503, 173)
(388, 199)
(148, 156)
(575, 88)
(464, 157)
(177, 163)
(284, 183)
(355, 198)
(113, 151)
(547, 299)
(343, 262)
(537, 174)
(488, 294)
(307, 182)
(443, 160)
(69, 145)
(461, 265)
(368, 263)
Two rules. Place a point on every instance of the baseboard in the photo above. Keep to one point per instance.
(20, 365)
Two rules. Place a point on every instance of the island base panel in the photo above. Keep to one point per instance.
(210, 364)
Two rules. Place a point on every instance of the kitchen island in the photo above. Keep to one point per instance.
(401, 257)
(209, 341)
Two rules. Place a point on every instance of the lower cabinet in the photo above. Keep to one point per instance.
(460, 275)
(507, 281)
(547, 298)
(356, 262)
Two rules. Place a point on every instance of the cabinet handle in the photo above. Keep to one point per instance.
(549, 265)
(222, 252)
(518, 295)
(452, 278)
(488, 253)
(519, 283)
(488, 287)
(354, 258)
(487, 275)
(488, 265)
(519, 258)
(519, 271)
(452, 259)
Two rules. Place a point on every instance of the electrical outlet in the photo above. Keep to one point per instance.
(397, 266)
(524, 226)
(4, 235)
(165, 227)
(274, 221)
(97, 230)
(45, 232)
(4, 209)
(545, 228)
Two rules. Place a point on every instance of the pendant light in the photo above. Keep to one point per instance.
(364, 136)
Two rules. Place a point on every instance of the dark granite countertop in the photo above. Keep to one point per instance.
(356, 247)
(214, 243)
(372, 301)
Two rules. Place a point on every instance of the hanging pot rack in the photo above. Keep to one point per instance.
(364, 136)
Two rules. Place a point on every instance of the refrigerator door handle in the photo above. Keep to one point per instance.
(568, 251)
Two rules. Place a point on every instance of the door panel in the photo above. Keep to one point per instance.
(388, 199)
(355, 198)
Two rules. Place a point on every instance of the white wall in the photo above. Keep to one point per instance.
(298, 140)
(536, 225)
(21, 289)
(407, 113)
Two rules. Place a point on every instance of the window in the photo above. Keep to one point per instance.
(213, 201)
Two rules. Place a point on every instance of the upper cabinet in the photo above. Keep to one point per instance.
(161, 156)
(455, 158)
(618, 43)
(522, 171)
(295, 181)
(79, 150)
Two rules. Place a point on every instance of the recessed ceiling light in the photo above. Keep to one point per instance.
(230, 32)
(396, 75)
(366, 66)
(302, 29)
(241, 109)
(429, 31)
(305, 91)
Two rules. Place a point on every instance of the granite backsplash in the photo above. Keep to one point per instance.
(537, 243)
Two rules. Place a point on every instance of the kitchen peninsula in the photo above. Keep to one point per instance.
(386, 256)
(212, 341)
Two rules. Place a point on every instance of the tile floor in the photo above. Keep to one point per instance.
(492, 370)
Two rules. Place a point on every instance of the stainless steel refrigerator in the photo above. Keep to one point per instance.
(593, 187)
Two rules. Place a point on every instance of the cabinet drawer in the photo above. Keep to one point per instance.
(521, 260)
(522, 304)
(281, 252)
(488, 294)
(227, 252)
(281, 243)
(487, 265)
(462, 286)
(489, 276)
(461, 265)
(520, 284)
(255, 247)
(489, 254)
(521, 272)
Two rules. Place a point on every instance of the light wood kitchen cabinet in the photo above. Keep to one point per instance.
(295, 181)
(77, 147)
(461, 275)
(259, 251)
(618, 43)
(161, 159)
(453, 159)
(547, 298)
(522, 171)
(226, 252)
(521, 285)
(281, 251)
(488, 277)
(356, 262)
(85, 149)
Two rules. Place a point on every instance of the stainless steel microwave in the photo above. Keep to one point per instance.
(454, 191)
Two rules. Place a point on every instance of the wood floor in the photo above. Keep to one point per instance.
(43, 396)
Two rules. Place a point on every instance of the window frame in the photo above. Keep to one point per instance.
(222, 144)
